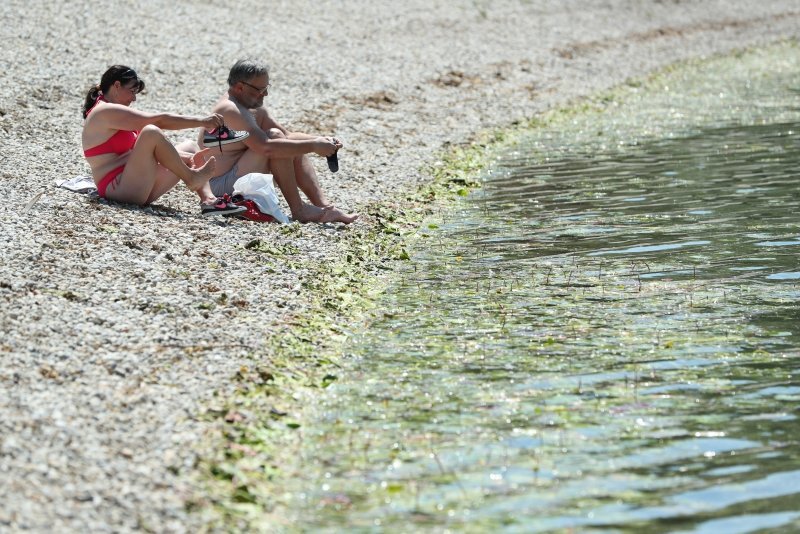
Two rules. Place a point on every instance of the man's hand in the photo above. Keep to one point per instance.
(326, 146)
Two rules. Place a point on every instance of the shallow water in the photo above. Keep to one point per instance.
(605, 337)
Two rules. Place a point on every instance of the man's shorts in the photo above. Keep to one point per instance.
(224, 184)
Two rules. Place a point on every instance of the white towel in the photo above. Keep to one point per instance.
(78, 184)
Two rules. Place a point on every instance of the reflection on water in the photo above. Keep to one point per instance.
(605, 337)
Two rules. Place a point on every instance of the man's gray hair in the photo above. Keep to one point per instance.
(246, 69)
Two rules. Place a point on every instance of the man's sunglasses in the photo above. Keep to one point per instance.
(261, 91)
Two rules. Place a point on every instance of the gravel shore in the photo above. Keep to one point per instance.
(121, 324)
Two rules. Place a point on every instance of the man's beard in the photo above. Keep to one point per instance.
(256, 103)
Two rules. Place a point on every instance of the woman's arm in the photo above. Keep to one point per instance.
(119, 117)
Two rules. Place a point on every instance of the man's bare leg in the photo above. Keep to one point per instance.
(306, 178)
(307, 181)
(283, 171)
(296, 174)
(305, 175)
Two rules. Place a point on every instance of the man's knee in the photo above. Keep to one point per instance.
(275, 133)
(187, 145)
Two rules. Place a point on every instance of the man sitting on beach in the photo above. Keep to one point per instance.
(270, 148)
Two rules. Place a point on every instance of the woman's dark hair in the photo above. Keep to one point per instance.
(115, 73)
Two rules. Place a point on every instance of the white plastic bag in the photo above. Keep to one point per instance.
(258, 188)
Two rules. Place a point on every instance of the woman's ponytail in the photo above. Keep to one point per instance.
(91, 99)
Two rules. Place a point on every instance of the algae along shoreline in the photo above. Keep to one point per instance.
(251, 465)
(243, 466)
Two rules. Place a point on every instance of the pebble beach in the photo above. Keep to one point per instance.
(122, 326)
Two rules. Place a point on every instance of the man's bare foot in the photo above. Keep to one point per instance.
(200, 176)
(308, 213)
(311, 213)
(336, 215)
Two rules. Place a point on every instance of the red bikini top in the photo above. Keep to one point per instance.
(119, 143)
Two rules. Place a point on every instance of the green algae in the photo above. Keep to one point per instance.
(247, 462)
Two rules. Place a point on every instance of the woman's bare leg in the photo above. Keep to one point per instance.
(139, 182)
(165, 181)
(196, 158)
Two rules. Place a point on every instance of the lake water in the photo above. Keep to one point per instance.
(605, 337)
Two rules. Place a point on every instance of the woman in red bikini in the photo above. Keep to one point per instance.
(131, 159)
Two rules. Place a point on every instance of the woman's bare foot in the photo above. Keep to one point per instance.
(198, 158)
(199, 176)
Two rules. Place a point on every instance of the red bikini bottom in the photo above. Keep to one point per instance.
(107, 179)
